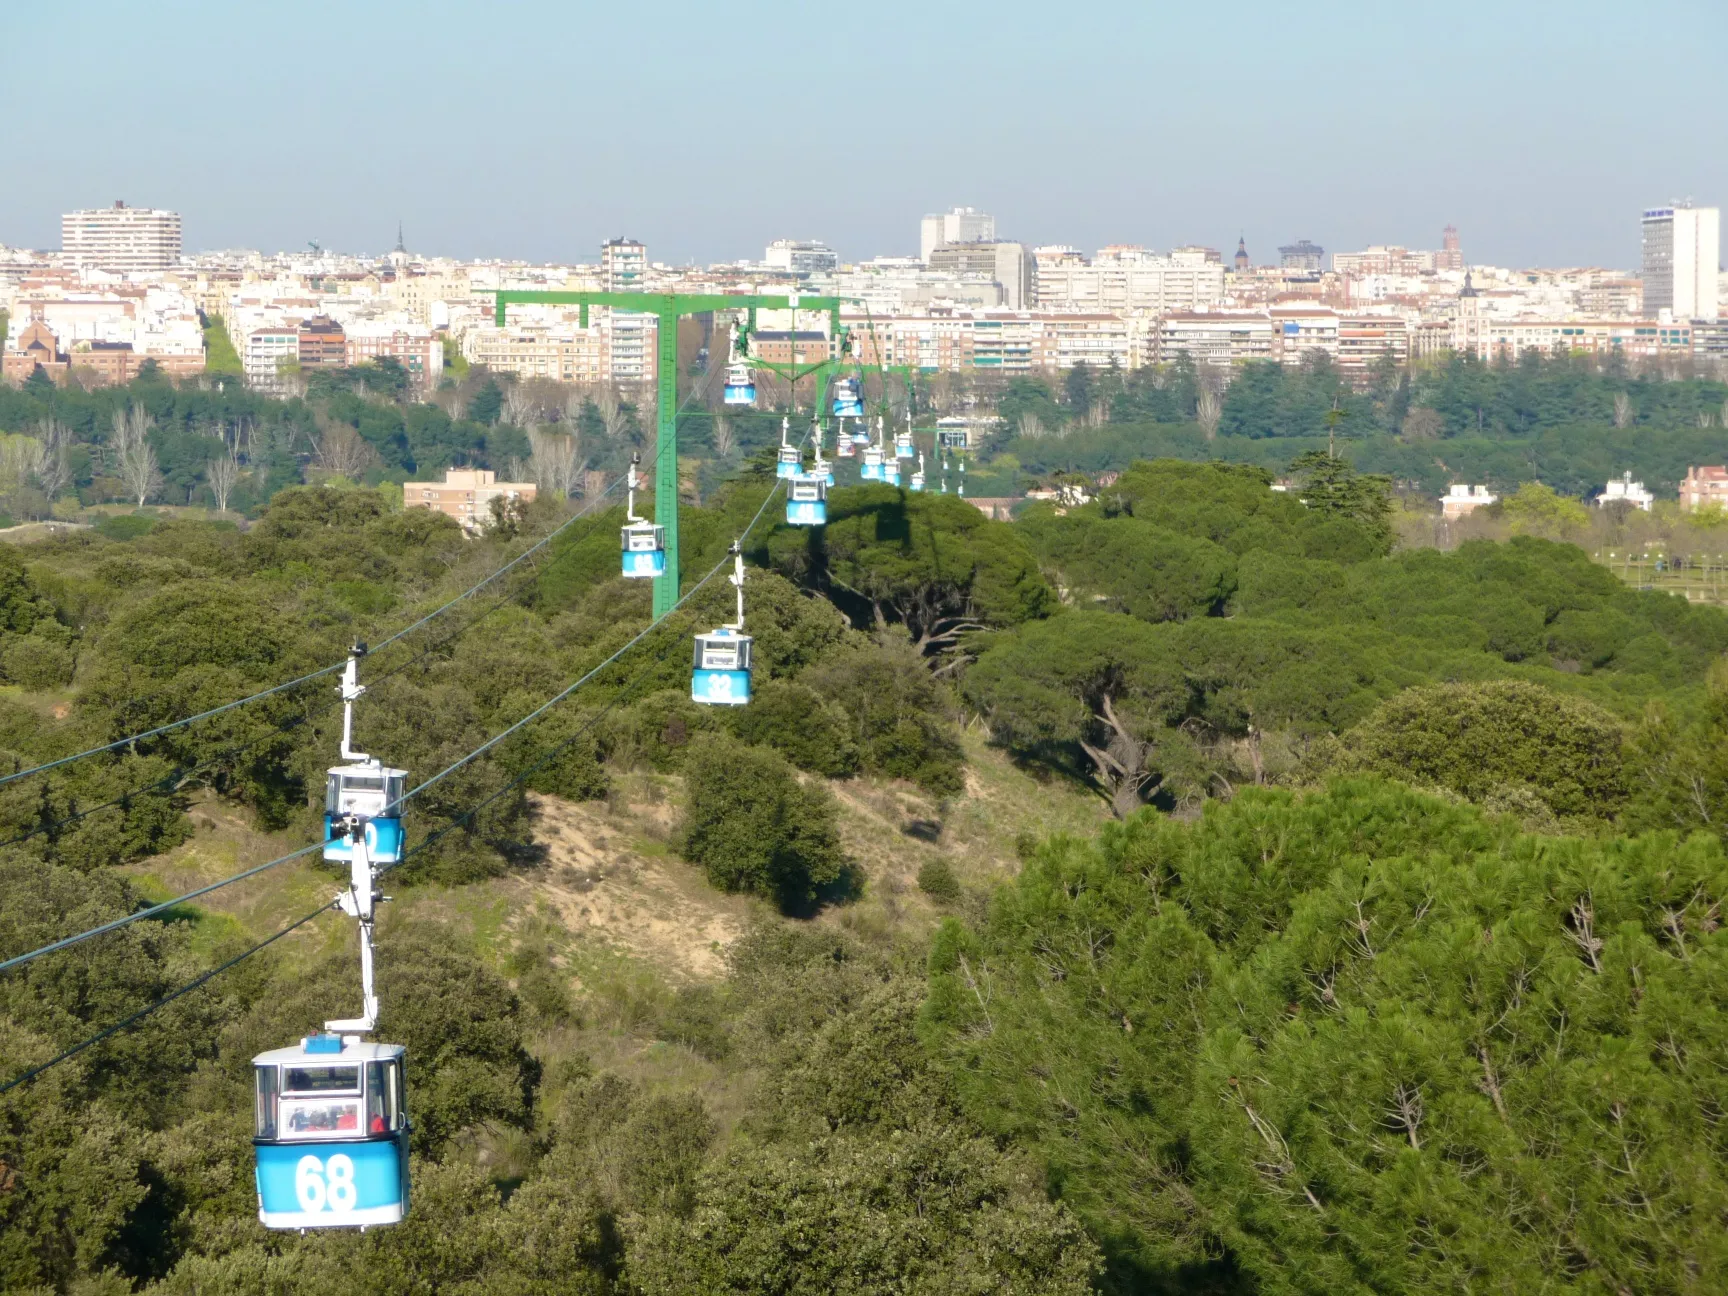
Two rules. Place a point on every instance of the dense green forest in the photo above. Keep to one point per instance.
(1383, 955)
(1569, 422)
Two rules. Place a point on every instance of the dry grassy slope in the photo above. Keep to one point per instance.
(608, 890)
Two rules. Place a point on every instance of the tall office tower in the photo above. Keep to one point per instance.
(121, 238)
(1450, 256)
(1302, 255)
(1682, 249)
(623, 265)
(962, 225)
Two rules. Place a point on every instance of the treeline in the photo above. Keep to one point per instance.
(1569, 422)
(364, 425)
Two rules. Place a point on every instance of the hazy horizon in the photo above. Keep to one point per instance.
(530, 133)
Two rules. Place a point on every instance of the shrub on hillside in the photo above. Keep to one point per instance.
(795, 721)
(1492, 740)
(755, 828)
(894, 712)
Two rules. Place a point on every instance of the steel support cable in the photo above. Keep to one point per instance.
(183, 771)
(142, 1013)
(308, 678)
(546, 706)
(204, 977)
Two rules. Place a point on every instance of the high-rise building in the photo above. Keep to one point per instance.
(1302, 255)
(1450, 256)
(121, 238)
(962, 225)
(1682, 250)
(1005, 263)
(623, 265)
(624, 268)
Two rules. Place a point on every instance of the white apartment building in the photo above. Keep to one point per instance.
(1222, 339)
(121, 239)
(800, 257)
(1682, 257)
(266, 350)
(1626, 491)
(1124, 279)
(1461, 500)
(624, 265)
(962, 225)
(562, 353)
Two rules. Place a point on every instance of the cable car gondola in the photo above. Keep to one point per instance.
(848, 398)
(722, 668)
(644, 542)
(807, 500)
(822, 468)
(789, 461)
(330, 1132)
(904, 448)
(918, 476)
(740, 381)
(873, 469)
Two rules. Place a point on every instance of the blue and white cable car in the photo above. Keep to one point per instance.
(740, 381)
(848, 398)
(740, 384)
(873, 469)
(918, 475)
(904, 447)
(790, 460)
(822, 468)
(644, 542)
(330, 1132)
(807, 500)
(722, 668)
(364, 787)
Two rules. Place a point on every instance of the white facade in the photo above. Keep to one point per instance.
(123, 239)
(1682, 259)
(1124, 279)
(1626, 491)
(962, 225)
(1461, 500)
(801, 257)
(266, 350)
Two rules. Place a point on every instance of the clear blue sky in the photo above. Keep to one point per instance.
(536, 128)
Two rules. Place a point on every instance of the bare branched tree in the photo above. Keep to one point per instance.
(593, 483)
(520, 408)
(136, 457)
(1622, 410)
(1706, 418)
(725, 438)
(612, 412)
(55, 473)
(222, 474)
(553, 464)
(342, 451)
(1208, 409)
(1031, 427)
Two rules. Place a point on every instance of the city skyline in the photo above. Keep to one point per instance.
(1351, 127)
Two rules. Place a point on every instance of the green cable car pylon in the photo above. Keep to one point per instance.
(668, 309)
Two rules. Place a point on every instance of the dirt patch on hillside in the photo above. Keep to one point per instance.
(608, 884)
